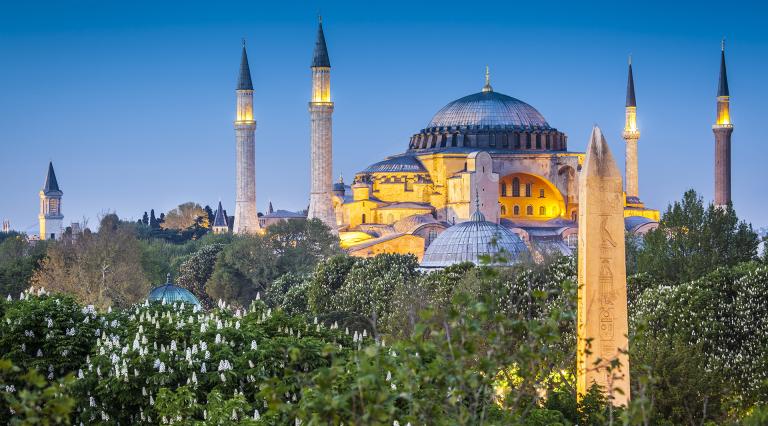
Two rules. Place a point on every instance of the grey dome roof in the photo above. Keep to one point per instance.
(170, 293)
(402, 163)
(488, 109)
(467, 241)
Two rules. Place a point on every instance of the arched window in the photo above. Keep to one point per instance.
(390, 218)
(430, 237)
(516, 140)
(542, 211)
(516, 210)
(363, 218)
(515, 187)
(541, 193)
(528, 189)
(538, 140)
(503, 189)
(528, 141)
(503, 210)
(529, 210)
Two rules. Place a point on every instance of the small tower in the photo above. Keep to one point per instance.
(320, 112)
(50, 207)
(631, 136)
(723, 130)
(220, 224)
(246, 219)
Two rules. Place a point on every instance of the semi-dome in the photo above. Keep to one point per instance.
(170, 293)
(468, 241)
(488, 108)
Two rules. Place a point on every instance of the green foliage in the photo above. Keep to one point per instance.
(709, 336)
(300, 244)
(29, 399)
(19, 259)
(243, 270)
(693, 240)
(195, 271)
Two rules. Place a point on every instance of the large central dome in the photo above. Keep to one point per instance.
(488, 108)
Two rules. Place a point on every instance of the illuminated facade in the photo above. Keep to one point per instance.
(50, 217)
(485, 152)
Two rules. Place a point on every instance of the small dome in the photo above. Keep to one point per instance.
(170, 293)
(398, 164)
(488, 108)
(468, 241)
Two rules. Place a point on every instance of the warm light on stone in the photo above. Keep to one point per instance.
(602, 325)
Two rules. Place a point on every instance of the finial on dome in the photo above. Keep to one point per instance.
(168, 278)
(341, 178)
(487, 88)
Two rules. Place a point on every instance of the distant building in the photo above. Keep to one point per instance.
(220, 221)
(276, 216)
(50, 207)
(6, 226)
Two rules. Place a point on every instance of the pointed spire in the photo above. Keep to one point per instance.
(320, 57)
(220, 220)
(631, 102)
(487, 88)
(51, 184)
(722, 87)
(599, 160)
(244, 79)
(270, 209)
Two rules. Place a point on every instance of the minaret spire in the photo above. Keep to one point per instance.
(321, 135)
(246, 219)
(723, 129)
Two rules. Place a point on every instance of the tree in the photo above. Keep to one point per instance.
(145, 219)
(195, 272)
(19, 259)
(103, 269)
(185, 216)
(300, 244)
(244, 269)
(692, 240)
(153, 223)
(209, 213)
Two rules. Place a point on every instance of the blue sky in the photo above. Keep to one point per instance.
(134, 101)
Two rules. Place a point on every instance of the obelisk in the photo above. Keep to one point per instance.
(602, 296)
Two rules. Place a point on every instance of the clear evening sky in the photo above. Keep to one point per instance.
(134, 101)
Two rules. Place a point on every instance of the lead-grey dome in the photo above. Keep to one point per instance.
(488, 109)
(468, 241)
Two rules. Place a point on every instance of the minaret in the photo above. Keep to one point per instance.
(723, 129)
(246, 219)
(320, 112)
(50, 207)
(631, 135)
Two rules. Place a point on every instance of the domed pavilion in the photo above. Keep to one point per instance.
(170, 293)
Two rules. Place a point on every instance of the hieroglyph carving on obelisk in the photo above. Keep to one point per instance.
(602, 296)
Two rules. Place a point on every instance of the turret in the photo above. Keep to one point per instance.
(50, 216)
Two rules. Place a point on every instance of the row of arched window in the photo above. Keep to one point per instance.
(516, 189)
(528, 210)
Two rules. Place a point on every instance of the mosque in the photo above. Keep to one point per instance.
(486, 155)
